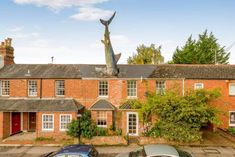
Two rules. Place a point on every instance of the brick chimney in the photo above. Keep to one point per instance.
(6, 53)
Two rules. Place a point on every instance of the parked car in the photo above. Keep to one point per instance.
(159, 150)
(74, 151)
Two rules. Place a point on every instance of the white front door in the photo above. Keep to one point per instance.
(132, 123)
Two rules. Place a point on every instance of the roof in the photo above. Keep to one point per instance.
(81, 149)
(187, 71)
(102, 104)
(160, 149)
(35, 105)
(131, 104)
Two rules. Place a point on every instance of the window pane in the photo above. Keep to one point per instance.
(64, 121)
(232, 118)
(232, 89)
(131, 89)
(103, 88)
(5, 86)
(60, 88)
(101, 119)
(160, 87)
(198, 86)
(47, 122)
(32, 87)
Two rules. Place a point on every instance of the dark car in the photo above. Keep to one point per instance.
(74, 151)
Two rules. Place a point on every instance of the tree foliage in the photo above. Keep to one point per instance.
(87, 128)
(180, 118)
(205, 50)
(146, 55)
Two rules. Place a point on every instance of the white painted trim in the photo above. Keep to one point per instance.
(198, 83)
(102, 96)
(60, 120)
(136, 90)
(137, 123)
(106, 117)
(229, 119)
(52, 125)
(36, 88)
(229, 88)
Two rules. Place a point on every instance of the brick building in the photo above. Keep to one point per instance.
(44, 98)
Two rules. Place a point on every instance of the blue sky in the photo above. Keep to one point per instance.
(70, 30)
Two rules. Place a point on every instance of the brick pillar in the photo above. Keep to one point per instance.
(7, 52)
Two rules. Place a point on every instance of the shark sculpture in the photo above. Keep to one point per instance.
(110, 58)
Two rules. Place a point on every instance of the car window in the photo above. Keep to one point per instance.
(183, 153)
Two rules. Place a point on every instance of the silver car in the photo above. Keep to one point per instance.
(159, 150)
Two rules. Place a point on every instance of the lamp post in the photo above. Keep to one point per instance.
(79, 128)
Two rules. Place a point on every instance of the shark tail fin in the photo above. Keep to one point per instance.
(106, 23)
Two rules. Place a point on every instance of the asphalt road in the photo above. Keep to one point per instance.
(113, 151)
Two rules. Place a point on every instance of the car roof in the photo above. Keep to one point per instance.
(76, 148)
(160, 149)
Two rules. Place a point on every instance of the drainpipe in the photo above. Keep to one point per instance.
(40, 88)
(183, 86)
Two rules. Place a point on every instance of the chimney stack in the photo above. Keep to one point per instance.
(6, 53)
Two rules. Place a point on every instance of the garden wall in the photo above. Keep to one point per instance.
(105, 140)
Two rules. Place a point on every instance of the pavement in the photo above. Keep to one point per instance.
(115, 151)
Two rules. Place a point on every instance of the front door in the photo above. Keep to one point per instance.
(16, 122)
(132, 123)
(32, 121)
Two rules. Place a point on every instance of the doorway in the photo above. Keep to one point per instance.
(15, 122)
(32, 121)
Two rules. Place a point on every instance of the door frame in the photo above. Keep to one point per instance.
(21, 122)
(137, 123)
(29, 121)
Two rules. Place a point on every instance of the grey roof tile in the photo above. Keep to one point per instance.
(36, 105)
(102, 104)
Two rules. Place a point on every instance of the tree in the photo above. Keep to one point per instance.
(146, 55)
(205, 50)
(87, 128)
(180, 118)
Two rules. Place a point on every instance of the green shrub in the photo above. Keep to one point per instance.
(87, 126)
(231, 130)
(101, 132)
(45, 139)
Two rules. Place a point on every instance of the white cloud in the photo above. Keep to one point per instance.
(59, 4)
(91, 14)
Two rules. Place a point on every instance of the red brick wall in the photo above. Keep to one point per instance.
(4, 124)
(56, 133)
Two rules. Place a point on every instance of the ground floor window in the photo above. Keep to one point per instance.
(65, 119)
(102, 119)
(47, 122)
(232, 118)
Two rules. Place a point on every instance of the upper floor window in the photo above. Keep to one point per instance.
(198, 85)
(59, 87)
(103, 88)
(48, 122)
(102, 119)
(232, 118)
(32, 88)
(65, 119)
(160, 87)
(131, 88)
(232, 89)
(5, 88)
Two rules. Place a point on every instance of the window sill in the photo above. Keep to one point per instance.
(103, 97)
(47, 130)
(132, 97)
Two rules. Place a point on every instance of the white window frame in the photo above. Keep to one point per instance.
(99, 85)
(198, 83)
(56, 88)
(229, 118)
(132, 96)
(1, 85)
(159, 90)
(62, 129)
(105, 117)
(36, 93)
(53, 121)
(231, 84)
(137, 123)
